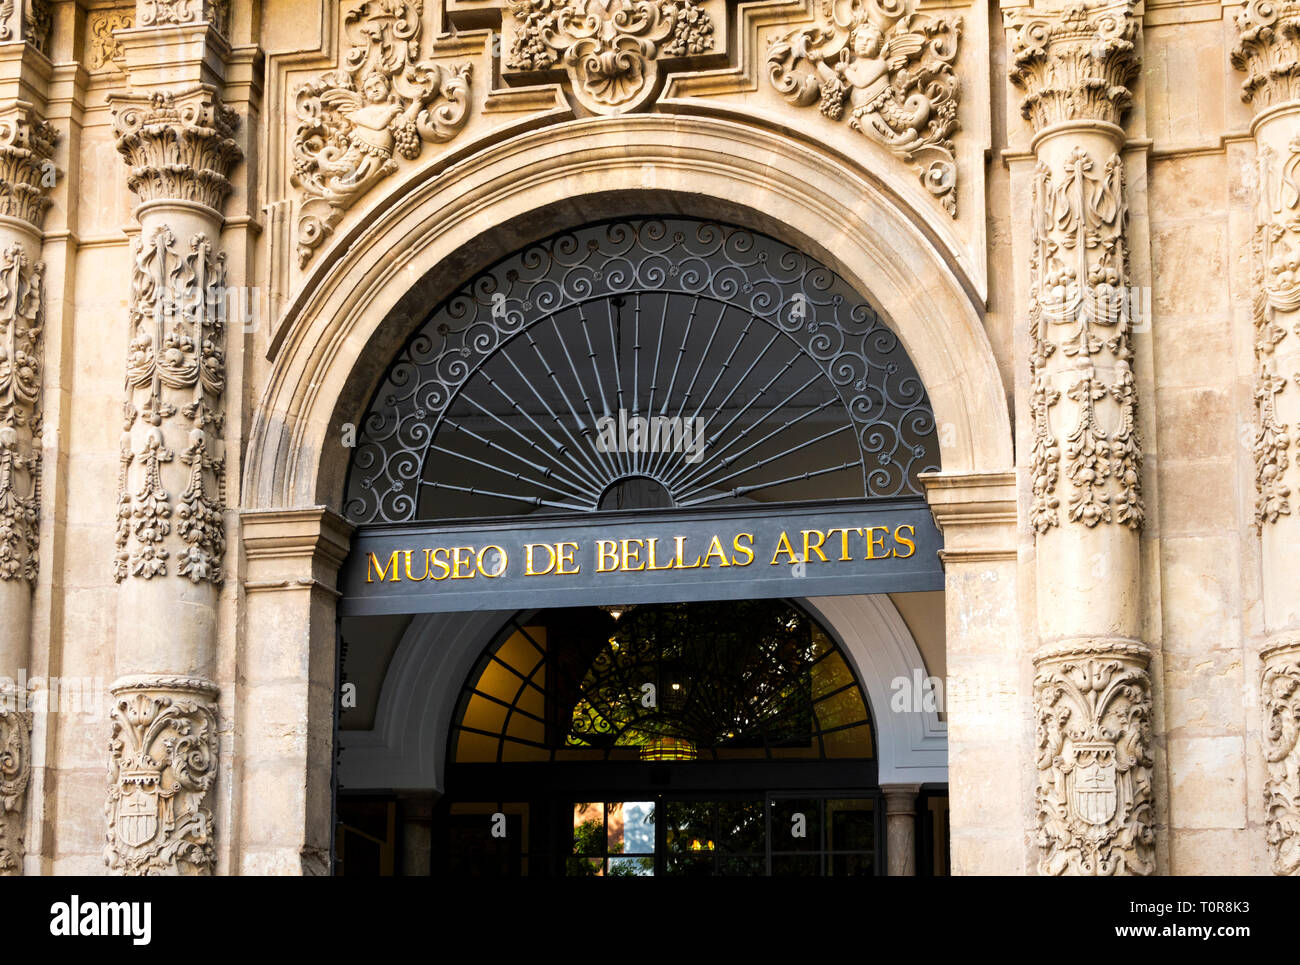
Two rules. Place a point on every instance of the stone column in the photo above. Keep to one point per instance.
(1269, 53)
(1092, 686)
(900, 828)
(179, 148)
(27, 173)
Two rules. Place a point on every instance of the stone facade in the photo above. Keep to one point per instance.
(220, 220)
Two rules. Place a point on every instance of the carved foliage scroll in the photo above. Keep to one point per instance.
(171, 478)
(1080, 330)
(20, 413)
(1092, 712)
(610, 48)
(15, 773)
(164, 13)
(103, 50)
(888, 70)
(162, 764)
(1281, 702)
(382, 102)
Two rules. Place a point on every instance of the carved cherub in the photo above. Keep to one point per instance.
(870, 73)
(377, 122)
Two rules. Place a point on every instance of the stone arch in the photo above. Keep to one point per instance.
(353, 311)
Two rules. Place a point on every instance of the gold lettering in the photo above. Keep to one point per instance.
(747, 550)
(640, 545)
(606, 549)
(372, 566)
(528, 559)
(814, 547)
(783, 546)
(500, 568)
(654, 543)
(911, 547)
(873, 541)
(443, 564)
(715, 549)
(844, 539)
(457, 562)
(681, 563)
(564, 557)
(417, 579)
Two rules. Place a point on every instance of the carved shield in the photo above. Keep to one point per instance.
(137, 816)
(1092, 786)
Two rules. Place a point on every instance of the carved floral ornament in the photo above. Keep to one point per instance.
(1075, 63)
(20, 413)
(163, 13)
(1281, 702)
(889, 70)
(610, 49)
(1081, 350)
(27, 170)
(162, 764)
(15, 773)
(1092, 708)
(383, 101)
(1268, 50)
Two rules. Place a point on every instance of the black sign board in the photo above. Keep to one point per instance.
(669, 556)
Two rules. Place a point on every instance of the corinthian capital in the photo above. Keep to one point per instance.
(178, 146)
(27, 170)
(1074, 63)
(1268, 51)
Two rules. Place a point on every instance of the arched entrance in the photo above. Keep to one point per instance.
(647, 376)
(330, 351)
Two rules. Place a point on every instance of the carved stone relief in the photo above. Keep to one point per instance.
(1281, 703)
(610, 49)
(162, 764)
(20, 413)
(1079, 316)
(103, 50)
(15, 773)
(383, 101)
(1092, 709)
(1268, 51)
(889, 70)
(162, 13)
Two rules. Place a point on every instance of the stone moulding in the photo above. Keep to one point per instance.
(1076, 63)
(1268, 52)
(1280, 692)
(1092, 710)
(162, 765)
(610, 49)
(383, 101)
(177, 146)
(889, 69)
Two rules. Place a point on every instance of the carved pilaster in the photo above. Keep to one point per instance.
(177, 146)
(1092, 710)
(15, 772)
(162, 765)
(382, 102)
(1075, 63)
(1280, 690)
(20, 413)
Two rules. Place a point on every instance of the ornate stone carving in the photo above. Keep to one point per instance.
(162, 764)
(177, 146)
(103, 49)
(1281, 702)
(382, 101)
(15, 772)
(172, 434)
(1075, 63)
(29, 20)
(1080, 332)
(20, 413)
(1268, 51)
(1276, 312)
(162, 13)
(890, 70)
(610, 48)
(27, 170)
(1092, 706)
